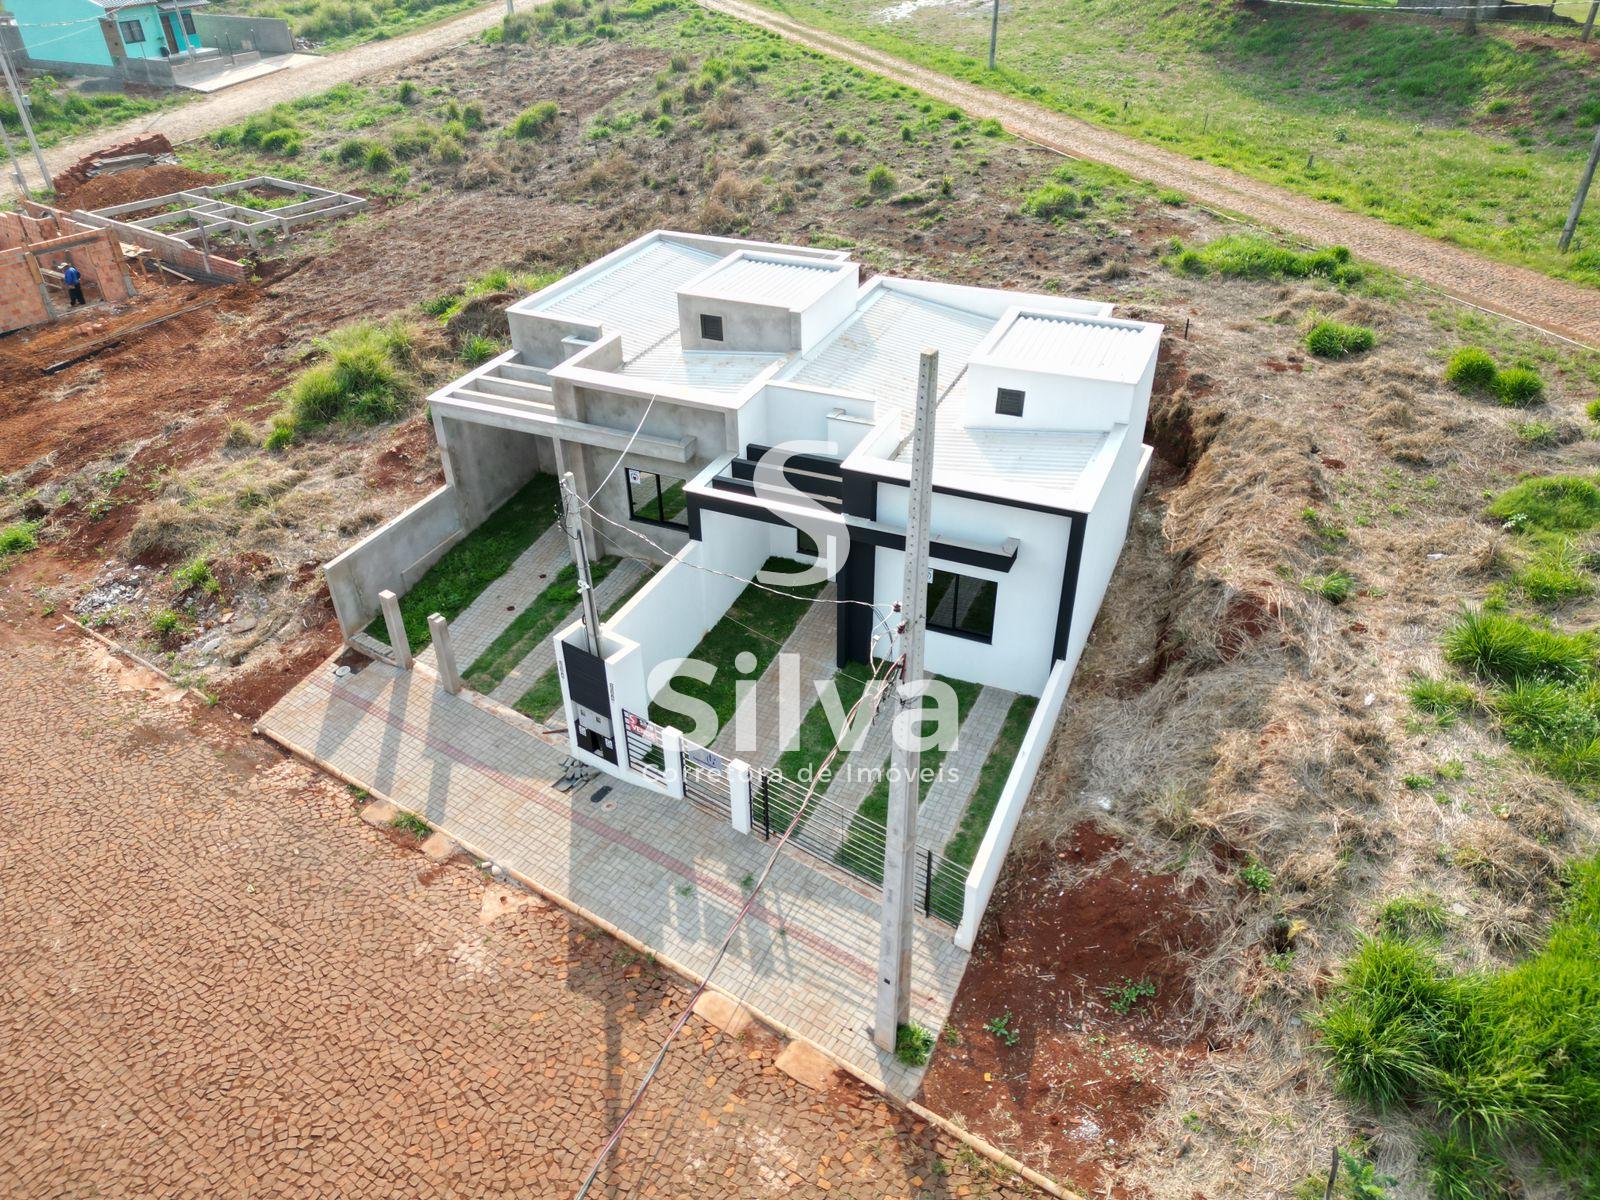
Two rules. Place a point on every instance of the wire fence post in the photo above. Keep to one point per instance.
(927, 883)
(766, 806)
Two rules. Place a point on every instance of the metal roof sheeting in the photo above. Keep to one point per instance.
(877, 352)
(1068, 344)
(719, 371)
(637, 296)
(763, 281)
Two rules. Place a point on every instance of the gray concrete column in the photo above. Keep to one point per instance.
(399, 642)
(444, 654)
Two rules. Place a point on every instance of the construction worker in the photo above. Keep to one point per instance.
(74, 282)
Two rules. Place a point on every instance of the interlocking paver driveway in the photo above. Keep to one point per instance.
(217, 982)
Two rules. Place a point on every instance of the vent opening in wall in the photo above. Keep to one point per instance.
(1008, 402)
(710, 327)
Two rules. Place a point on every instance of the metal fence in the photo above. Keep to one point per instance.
(644, 746)
(853, 842)
(705, 781)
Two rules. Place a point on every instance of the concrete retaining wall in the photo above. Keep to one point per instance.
(393, 556)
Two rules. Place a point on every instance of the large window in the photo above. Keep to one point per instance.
(962, 605)
(657, 500)
(132, 31)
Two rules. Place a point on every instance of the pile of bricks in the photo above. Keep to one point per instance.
(75, 176)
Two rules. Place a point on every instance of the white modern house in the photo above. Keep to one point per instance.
(674, 375)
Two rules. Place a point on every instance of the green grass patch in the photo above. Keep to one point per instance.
(59, 112)
(1255, 256)
(1501, 649)
(16, 539)
(1555, 573)
(532, 625)
(1519, 387)
(339, 24)
(476, 561)
(774, 614)
(1335, 587)
(1552, 504)
(801, 762)
(862, 851)
(544, 697)
(365, 374)
(1445, 700)
(1471, 369)
(535, 121)
(963, 845)
(1414, 917)
(1503, 1058)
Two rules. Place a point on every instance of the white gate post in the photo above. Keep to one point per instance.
(672, 765)
(739, 794)
(444, 654)
(396, 625)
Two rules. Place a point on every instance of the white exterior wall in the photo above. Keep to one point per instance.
(1102, 541)
(1027, 602)
(1052, 401)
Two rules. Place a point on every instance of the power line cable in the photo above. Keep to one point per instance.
(744, 910)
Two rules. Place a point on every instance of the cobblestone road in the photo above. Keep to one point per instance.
(218, 982)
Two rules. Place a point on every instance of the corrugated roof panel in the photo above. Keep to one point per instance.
(637, 296)
(878, 351)
(1065, 343)
(712, 371)
(762, 281)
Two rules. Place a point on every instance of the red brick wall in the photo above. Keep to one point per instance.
(21, 303)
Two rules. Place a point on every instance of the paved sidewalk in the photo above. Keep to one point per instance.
(219, 984)
(659, 869)
(543, 656)
(487, 617)
(947, 797)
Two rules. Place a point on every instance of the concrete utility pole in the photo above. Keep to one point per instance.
(994, 31)
(1588, 22)
(572, 521)
(900, 835)
(1583, 194)
(20, 100)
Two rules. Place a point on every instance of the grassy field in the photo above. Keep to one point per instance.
(60, 112)
(1474, 140)
(339, 24)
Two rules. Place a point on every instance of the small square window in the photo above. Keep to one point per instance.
(132, 31)
(1008, 402)
(710, 327)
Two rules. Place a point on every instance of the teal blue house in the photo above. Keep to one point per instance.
(100, 36)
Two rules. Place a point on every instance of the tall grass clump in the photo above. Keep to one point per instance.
(17, 539)
(1500, 649)
(536, 121)
(1471, 369)
(1507, 1059)
(1519, 387)
(364, 375)
(1332, 339)
(1252, 256)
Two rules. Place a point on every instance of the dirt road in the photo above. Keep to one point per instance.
(1566, 309)
(199, 117)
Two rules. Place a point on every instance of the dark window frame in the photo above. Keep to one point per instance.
(654, 489)
(186, 19)
(708, 322)
(936, 596)
(1007, 399)
(125, 28)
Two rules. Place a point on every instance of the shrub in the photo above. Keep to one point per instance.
(1519, 387)
(880, 180)
(536, 121)
(913, 1045)
(1552, 503)
(165, 622)
(1593, 409)
(1504, 650)
(364, 377)
(407, 93)
(1255, 876)
(1054, 201)
(1331, 339)
(1471, 369)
